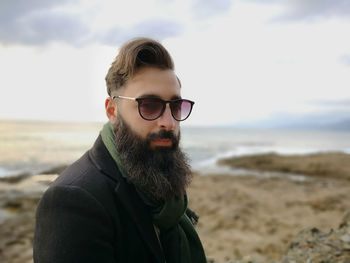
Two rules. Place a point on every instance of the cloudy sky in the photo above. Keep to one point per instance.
(241, 61)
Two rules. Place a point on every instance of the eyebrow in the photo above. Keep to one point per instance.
(153, 96)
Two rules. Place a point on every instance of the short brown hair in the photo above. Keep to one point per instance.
(133, 55)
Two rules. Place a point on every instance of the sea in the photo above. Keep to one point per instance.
(35, 146)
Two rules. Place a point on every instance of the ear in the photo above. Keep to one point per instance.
(111, 110)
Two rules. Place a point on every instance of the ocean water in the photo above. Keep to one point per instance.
(206, 145)
(27, 146)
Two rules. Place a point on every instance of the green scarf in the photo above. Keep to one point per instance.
(177, 236)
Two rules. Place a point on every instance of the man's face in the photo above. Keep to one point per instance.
(150, 82)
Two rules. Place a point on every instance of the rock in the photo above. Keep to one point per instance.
(330, 164)
(312, 245)
(18, 201)
(15, 178)
(346, 221)
(55, 170)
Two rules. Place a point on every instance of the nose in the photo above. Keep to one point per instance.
(166, 120)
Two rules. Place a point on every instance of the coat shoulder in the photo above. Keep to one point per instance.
(84, 175)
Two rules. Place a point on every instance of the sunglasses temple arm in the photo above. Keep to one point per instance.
(123, 97)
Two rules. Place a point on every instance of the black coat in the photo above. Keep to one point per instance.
(91, 214)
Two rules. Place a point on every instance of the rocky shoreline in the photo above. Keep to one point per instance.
(250, 219)
(327, 164)
(242, 218)
(258, 219)
(19, 197)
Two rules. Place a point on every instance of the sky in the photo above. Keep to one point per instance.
(240, 61)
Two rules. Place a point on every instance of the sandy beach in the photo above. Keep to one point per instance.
(244, 218)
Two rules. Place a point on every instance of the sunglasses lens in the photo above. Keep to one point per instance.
(181, 109)
(150, 109)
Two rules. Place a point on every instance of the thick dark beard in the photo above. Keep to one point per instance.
(163, 172)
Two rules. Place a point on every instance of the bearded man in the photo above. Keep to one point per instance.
(125, 199)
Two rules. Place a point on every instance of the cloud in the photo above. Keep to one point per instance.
(157, 29)
(333, 103)
(203, 9)
(38, 22)
(13, 10)
(325, 119)
(42, 28)
(310, 9)
(345, 60)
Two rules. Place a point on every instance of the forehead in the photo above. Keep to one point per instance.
(162, 83)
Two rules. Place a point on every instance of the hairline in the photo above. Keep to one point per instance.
(117, 91)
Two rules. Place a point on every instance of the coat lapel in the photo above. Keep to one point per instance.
(127, 195)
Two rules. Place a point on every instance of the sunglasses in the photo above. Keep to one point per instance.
(152, 108)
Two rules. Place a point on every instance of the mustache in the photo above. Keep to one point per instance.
(163, 134)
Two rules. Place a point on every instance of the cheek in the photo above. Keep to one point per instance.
(144, 129)
(140, 126)
(132, 118)
(177, 128)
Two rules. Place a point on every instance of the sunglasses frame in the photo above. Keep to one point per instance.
(164, 102)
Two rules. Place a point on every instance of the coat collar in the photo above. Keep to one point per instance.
(127, 195)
